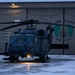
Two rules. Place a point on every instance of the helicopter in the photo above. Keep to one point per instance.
(29, 42)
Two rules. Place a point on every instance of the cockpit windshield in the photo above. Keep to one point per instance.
(12, 39)
(30, 38)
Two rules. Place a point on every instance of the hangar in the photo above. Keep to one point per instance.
(55, 12)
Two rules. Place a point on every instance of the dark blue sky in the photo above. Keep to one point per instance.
(34, 0)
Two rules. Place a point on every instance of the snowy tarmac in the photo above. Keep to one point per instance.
(57, 65)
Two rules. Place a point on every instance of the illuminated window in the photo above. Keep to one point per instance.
(6, 35)
(17, 21)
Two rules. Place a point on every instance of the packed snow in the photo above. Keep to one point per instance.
(57, 65)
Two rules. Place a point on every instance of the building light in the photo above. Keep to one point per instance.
(13, 4)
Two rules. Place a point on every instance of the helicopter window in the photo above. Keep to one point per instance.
(13, 38)
(17, 21)
(6, 35)
(20, 39)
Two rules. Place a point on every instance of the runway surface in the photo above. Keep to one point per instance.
(57, 65)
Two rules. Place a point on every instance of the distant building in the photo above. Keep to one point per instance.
(42, 11)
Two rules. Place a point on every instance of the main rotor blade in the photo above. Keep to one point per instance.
(20, 24)
(12, 26)
(29, 21)
(48, 23)
(33, 22)
(8, 22)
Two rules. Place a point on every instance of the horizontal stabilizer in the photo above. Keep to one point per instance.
(59, 46)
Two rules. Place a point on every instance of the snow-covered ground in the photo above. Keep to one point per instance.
(57, 65)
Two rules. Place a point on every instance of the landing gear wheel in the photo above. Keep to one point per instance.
(48, 57)
(43, 58)
(13, 58)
